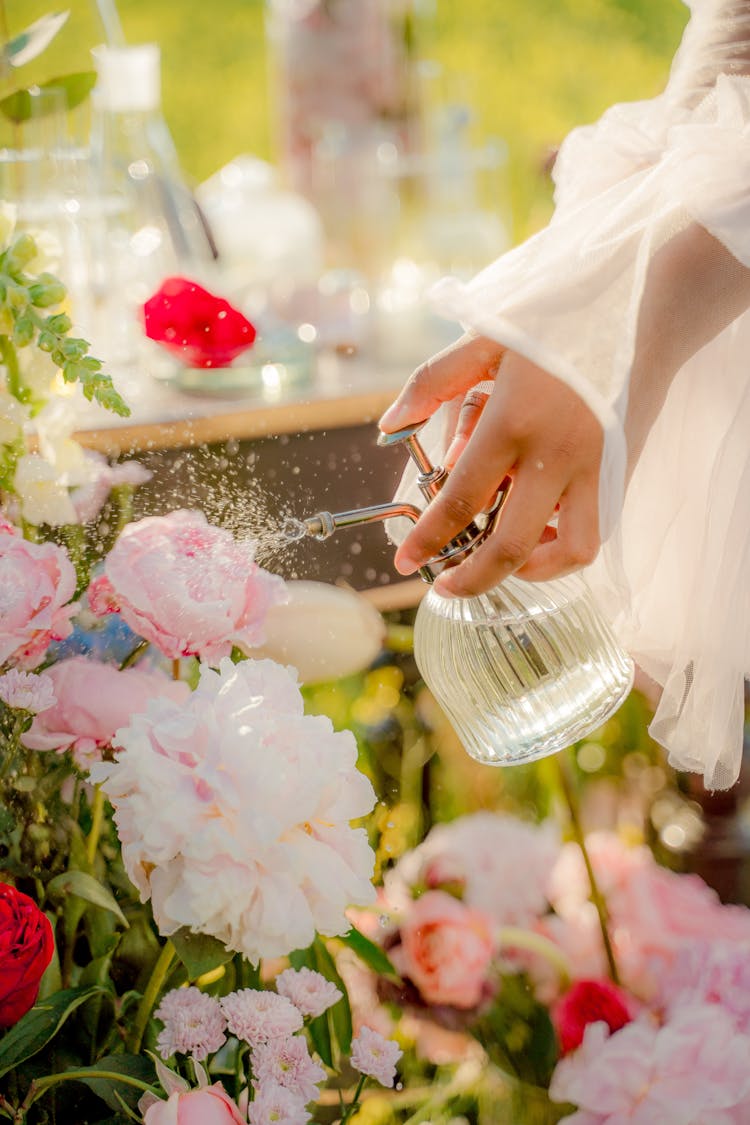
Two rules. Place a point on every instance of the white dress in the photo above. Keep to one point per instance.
(674, 571)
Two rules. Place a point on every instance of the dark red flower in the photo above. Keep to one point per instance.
(26, 947)
(590, 1001)
(201, 329)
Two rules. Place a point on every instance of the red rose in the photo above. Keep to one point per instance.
(590, 1001)
(201, 329)
(26, 947)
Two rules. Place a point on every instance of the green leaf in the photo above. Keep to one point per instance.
(34, 39)
(339, 1015)
(320, 1033)
(199, 953)
(109, 1089)
(372, 955)
(88, 888)
(34, 1030)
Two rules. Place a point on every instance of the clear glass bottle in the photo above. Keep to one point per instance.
(146, 224)
(522, 671)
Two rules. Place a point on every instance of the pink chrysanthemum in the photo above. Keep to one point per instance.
(309, 991)
(275, 1105)
(288, 1063)
(193, 1024)
(375, 1056)
(255, 1015)
(27, 691)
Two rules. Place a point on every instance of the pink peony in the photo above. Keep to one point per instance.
(478, 854)
(254, 845)
(710, 972)
(210, 1105)
(590, 1001)
(653, 912)
(187, 587)
(37, 581)
(375, 1056)
(446, 950)
(93, 701)
(692, 1071)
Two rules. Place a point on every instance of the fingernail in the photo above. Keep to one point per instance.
(404, 564)
(444, 587)
(394, 417)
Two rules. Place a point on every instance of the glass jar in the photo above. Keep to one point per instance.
(522, 671)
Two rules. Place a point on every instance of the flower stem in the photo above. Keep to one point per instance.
(153, 988)
(10, 359)
(353, 1106)
(134, 655)
(597, 898)
(176, 669)
(97, 819)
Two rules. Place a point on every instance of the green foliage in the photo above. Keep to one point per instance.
(517, 1032)
(22, 325)
(38, 1026)
(199, 953)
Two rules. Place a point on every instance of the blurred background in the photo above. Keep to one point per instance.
(525, 72)
(423, 133)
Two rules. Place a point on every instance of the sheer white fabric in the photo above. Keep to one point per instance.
(674, 572)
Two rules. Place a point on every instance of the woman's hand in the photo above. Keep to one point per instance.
(531, 428)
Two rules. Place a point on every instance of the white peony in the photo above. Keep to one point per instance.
(502, 864)
(234, 812)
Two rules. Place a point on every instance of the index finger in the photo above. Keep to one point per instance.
(471, 486)
(451, 372)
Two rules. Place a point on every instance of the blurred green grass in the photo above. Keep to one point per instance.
(530, 69)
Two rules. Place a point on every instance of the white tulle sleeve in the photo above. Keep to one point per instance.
(650, 178)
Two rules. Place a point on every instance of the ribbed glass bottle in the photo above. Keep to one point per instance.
(522, 671)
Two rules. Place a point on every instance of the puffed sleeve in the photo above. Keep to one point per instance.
(674, 571)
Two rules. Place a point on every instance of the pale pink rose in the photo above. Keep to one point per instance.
(93, 700)
(375, 1056)
(446, 950)
(478, 854)
(187, 587)
(210, 1105)
(255, 844)
(37, 581)
(691, 1071)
